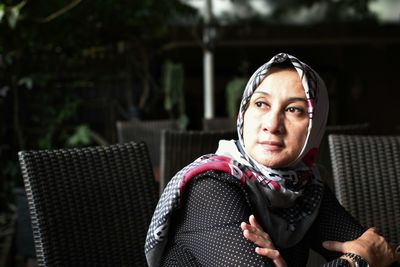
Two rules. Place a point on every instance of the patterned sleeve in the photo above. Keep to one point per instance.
(333, 223)
(207, 229)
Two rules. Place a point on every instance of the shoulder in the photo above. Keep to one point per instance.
(214, 192)
(219, 176)
(206, 229)
(215, 183)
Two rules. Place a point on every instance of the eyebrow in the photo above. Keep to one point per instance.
(290, 99)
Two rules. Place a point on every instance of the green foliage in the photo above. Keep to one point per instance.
(80, 24)
(54, 122)
(2, 11)
(10, 168)
(26, 82)
(173, 86)
(45, 47)
(81, 137)
(301, 11)
(329, 10)
(233, 92)
(174, 99)
(11, 13)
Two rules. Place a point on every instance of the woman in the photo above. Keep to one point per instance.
(268, 172)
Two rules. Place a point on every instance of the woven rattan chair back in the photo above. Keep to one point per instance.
(366, 173)
(90, 206)
(323, 159)
(148, 132)
(179, 148)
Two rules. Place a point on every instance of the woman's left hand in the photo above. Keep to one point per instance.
(254, 233)
(370, 245)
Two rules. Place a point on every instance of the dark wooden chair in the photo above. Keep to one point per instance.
(179, 148)
(366, 173)
(90, 206)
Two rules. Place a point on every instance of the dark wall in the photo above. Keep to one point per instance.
(359, 66)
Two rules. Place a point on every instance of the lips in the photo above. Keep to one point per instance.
(271, 145)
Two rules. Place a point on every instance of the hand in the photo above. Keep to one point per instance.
(370, 245)
(254, 233)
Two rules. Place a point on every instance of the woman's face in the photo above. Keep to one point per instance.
(276, 120)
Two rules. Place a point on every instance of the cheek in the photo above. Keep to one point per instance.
(305, 130)
(246, 134)
(248, 130)
(300, 135)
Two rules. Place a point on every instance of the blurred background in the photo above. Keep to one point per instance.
(69, 70)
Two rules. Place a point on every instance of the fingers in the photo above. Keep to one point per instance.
(254, 233)
(261, 240)
(244, 226)
(349, 246)
(253, 222)
(373, 230)
(370, 245)
(268, 252)
(334, 246)
(280, 262)
(273, 254)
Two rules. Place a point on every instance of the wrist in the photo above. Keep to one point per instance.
(347, 261)
(355, 260)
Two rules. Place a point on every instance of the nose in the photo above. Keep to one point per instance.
(272, 122)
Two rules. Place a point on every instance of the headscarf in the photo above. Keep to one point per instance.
(316, 94)
(286, 200)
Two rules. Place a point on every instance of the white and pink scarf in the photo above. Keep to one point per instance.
(286, 201)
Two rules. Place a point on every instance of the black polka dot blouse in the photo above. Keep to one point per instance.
(206, 231)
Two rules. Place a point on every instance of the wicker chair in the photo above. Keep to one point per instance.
(366, 172)
(148, 132)
(324, 159)
(90, 206)
(179, 148)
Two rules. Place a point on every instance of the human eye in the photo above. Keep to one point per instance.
(295, 110)
(261, 104)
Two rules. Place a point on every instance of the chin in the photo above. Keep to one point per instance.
(272, 163)
(268, 163)
(275, 166)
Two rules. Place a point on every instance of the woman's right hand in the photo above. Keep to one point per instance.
(254, 233)
(370, 245)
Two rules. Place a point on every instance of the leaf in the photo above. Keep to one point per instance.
(82, 136)
(2, 10)
(13, 14)
(13, 17)
(26, 81)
